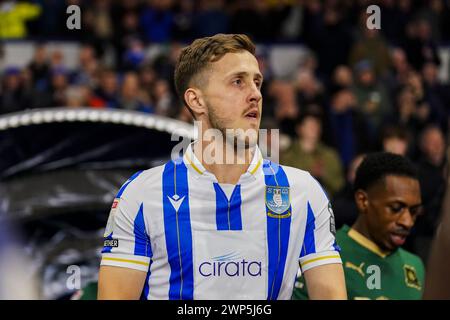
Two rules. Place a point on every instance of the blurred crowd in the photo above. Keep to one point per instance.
(357, 90)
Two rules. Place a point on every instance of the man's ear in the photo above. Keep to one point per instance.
(362, 201)
(194, 100)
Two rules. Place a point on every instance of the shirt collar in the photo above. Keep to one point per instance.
(199, 170)
(367, 243)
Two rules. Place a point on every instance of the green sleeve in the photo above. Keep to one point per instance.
(300, 291)
(89, 292)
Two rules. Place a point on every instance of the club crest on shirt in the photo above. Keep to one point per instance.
(411, 278)
(278, 202)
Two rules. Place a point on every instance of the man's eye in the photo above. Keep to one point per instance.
(237, 82)
(396, 209)
(258, 83)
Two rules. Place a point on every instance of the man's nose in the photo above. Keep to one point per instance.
(255, 94)
(406, 220)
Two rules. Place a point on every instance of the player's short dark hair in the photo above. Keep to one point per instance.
(376, 166)
(198, 56)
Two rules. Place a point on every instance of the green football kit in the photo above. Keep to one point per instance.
(371, 273)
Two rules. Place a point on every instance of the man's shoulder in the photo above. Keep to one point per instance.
(143, 181)
(410, 258)
(342, 235)
(294, 173)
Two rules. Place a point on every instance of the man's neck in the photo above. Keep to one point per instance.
(231, 168)
(361, 227)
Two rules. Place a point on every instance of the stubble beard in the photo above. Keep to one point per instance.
(233, 139)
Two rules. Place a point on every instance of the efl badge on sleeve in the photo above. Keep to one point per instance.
(278, 202)
(110, 224)
(332, 222)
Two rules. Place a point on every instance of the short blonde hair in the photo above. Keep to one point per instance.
(197, 57)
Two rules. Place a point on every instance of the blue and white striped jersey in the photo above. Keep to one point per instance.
(198, 239)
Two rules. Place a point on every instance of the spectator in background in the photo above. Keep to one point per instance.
(349, 126)
(310, 92)
(157, 21)
(412, 111)
(342, 79)
(327, 34)
(371, 47)
(372, 96)
(431, 167)
(210, 19)
(107, 93)
(308, 153)
(134, 54)
(57, 60)
(183, 20)
(399, 72)
(58, 85)
(285, 106)
(77, 96)
(88, 66)
(12, 93)
(344, 206)
(395, 139)
(126, 27)
(163, 99)
(14, 16)
(261, 20)
(395, 17)
(419, 45)
(39, 67)
(131, 96)
(98, 22)
(52, 17)
(147, 77)
(436, 94)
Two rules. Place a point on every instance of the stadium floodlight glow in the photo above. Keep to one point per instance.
(138, 121)
(37, 118)
(160, 125)
(105, 116)
(25, 119)
(171, 127)
(71, 115)
(127, 119)
(48, 116)
(149, 123)
(13, 121)
(59, 116)
(3, 124)
(94, 116)
(82, 115)
(116, 116)
(133, 118)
